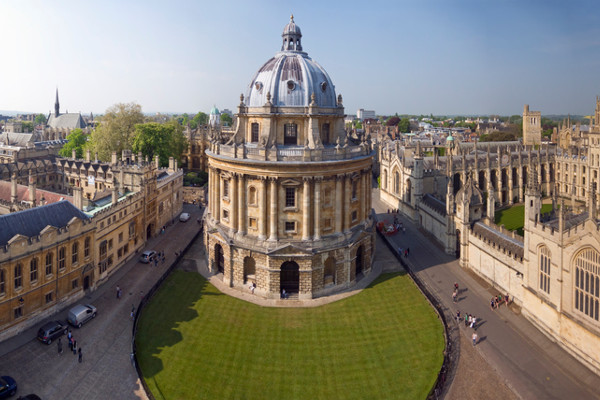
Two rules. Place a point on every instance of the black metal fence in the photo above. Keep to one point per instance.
(141, 305)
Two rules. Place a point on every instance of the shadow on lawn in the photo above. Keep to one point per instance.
(172, 305)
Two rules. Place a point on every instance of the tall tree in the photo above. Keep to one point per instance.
(116, 130)
(404, 125)
(76, 141)
(40, 119)
(162, 140)
(226, 119)
(200, 119)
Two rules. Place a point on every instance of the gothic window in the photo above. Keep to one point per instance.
(545, 269)
(61, 258)
(18, 276)
(33, 269)
(254, 138)
(396, 182)
(74, 253)
(587, 283)
(290, 134)
(290, 197)
(86, 247)
(49, 257)
(384, 179)
(2, 283)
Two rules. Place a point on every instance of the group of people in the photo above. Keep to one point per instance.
(72, 346)
(497, 301)
(159, 256)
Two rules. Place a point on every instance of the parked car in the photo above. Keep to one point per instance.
(8, 387)
(80, 314)
(51, 330)
(29, 397)
(184, 217)
(147, 256)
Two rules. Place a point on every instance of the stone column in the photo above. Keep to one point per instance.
(211, 192)
(339, 195)
(234, 203)
(219, 186)
(511, 185)
(362, 211)
(242, 206)
(347, 195)
(262, 206)
(318, 208)
(306, 210)
(273, 218)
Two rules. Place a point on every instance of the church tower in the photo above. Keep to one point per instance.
(532, 126)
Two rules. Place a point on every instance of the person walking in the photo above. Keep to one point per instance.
(59, 345)
(74, 346)
(118, 292)
(466, 319)
(492, 304)
(454, 296)
(458, 316)
(80, 356)
(474, 338)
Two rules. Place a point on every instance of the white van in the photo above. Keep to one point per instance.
(80, 314)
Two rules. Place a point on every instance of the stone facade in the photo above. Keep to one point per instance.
(289, 194)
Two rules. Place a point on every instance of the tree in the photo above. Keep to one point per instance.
(116, 130)
(76, 141)
(226, 119)
(40, 119)
(200, 119)
(404, 125)
(27, 126)
(392, 121)
(162, 140)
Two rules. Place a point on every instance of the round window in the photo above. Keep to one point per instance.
(291, 85)
(258, 85)
(323, 86)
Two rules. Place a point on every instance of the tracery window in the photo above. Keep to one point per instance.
(545, 269)
(587, 283)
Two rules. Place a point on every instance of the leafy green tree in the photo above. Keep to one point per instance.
(162, 140)
(358, 125)
(226, 119)
(200, 119)
(404, 125)
(27, 126)
(116, 130)
(40, 119)
(76, 141)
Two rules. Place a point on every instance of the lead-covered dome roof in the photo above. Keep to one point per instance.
(291, 77)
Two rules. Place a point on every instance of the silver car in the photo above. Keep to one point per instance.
(80, 314)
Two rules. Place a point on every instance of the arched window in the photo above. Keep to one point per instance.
(587, 283)
(254, 135)
(252, 195)
(74, 253)
(325, 133)
(18, 276)
(33, 269)
(396, 182)
(61, 258)
(2, 283)
(49, 257)
(290, 134)
(545, 269)
(385, 177)
(86, 247)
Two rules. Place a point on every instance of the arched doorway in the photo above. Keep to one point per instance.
(219, 259)
(249, 270)
(86, 282)
(289, 278)
(359, 261)
(329, 271)
(149, 231)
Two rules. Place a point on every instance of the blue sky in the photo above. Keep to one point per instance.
(416, 57)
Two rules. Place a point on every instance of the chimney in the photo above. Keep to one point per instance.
(13, 188)
(156, 162)
(74, 154)
(171, 164)
(88, 154)
(32, 185)
(78, 197)
(113, 158)
(96, 157)
(115, 192)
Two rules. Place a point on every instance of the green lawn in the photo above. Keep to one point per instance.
(194, 342)
(513, 218)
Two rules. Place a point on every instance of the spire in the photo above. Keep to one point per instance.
(291, 36)
(56, 105)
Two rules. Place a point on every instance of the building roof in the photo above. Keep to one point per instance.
(66, 121)
(18, 139)
(41, 195)
(291, 77)
(31, 222)
(512, 244)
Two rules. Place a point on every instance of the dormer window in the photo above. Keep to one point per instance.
(291, 85)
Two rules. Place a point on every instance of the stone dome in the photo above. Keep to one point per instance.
(291, 77)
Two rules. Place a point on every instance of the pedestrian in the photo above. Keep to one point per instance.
(163, 257)
(74, 346)
(466, 319)
(118, 292)
(456, 286)
(492, 304)
(458, 316)
(407, 251)
(473, 322)
(80, 356)
(59, 344)
(474, 337)
(454, 296)
(506, 299)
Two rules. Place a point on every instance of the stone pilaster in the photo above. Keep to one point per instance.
(347, 195)
(262, 206)
(317, 208)
(242, 205)
(339, 195)
(273, 218)
(234, 202)
(306, 210)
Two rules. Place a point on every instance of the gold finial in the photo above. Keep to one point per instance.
(292, 18)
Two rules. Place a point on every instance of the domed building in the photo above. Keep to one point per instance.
(289, 197)
(214, 118)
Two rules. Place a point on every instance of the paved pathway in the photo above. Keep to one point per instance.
(532, 365)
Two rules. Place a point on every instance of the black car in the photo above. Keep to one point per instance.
(51, 331)
(29, 397)
(8, 387)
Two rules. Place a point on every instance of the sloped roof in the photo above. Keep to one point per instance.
(17, 139)
(67, 121)
(23, 194)
(31, 222)
(511, 244)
